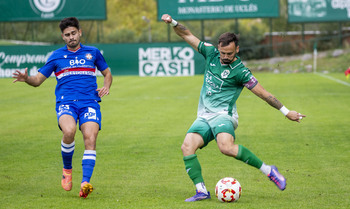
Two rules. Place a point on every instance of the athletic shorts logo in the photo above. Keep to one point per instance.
(91, 114)
(63, 109)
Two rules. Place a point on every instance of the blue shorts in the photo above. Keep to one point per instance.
(82, 110)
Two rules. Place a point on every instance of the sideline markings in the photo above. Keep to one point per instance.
(333, 79)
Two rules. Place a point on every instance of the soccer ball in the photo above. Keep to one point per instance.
(228, 190)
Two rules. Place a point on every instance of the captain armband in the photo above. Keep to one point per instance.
(251, 83)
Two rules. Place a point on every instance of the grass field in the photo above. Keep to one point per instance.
(139, 160)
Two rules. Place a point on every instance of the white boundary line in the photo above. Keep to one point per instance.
(333, 79)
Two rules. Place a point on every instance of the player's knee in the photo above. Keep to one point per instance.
(192, 142)
(187, 148)
(226, 148)
(69, 134)
(184, 147)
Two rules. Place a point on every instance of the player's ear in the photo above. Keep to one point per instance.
(80, 32)
(237, 49)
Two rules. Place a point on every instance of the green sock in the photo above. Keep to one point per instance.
(248, 157)
(193, 168)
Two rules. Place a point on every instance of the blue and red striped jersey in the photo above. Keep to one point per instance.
(75, 72)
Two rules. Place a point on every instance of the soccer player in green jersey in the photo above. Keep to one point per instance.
(217, 118)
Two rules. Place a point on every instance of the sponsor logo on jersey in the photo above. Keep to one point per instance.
(77, 62)
(76, 71)
(213, 83)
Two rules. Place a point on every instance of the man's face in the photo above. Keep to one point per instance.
(71, 36)
(228, 53)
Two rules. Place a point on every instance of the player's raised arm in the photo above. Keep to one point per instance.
(35, 81)
(274, 102)
(182, 31)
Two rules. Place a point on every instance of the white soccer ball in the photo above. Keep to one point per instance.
(228, 190)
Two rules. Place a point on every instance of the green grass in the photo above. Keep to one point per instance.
(5, 42)
(139, 160)
(325, 63)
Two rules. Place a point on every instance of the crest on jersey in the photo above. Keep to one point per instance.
(225, 74)
(88, 56)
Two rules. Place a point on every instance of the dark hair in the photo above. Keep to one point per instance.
(226, 38)
(69, 22)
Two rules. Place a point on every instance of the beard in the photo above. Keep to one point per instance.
(227, 61)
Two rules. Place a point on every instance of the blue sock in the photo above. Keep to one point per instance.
(67, 151)
(88, 164)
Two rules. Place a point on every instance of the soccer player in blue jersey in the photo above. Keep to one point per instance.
(225, 76)
(77, 97)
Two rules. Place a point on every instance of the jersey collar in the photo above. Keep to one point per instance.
(234, 64)
(81, 46)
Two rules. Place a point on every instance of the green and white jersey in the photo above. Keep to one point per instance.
(222, 83)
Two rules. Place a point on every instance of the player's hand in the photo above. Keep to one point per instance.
(167, 18)
(19, 76)
(295, 116)
(103, 91)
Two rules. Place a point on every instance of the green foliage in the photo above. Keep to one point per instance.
(121, 36)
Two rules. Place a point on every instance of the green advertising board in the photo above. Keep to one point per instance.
(158, 59)
(302, 11)
(38, 10)
(218, 9)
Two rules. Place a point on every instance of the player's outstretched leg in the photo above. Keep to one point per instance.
(198, 196)
(277, 178)
(66, 181)
(85, 189)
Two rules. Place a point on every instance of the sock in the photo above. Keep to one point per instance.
(67, 151)
(88, 164)
(193, 168)
(266, 169)
(248, 157)
(201, 188)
